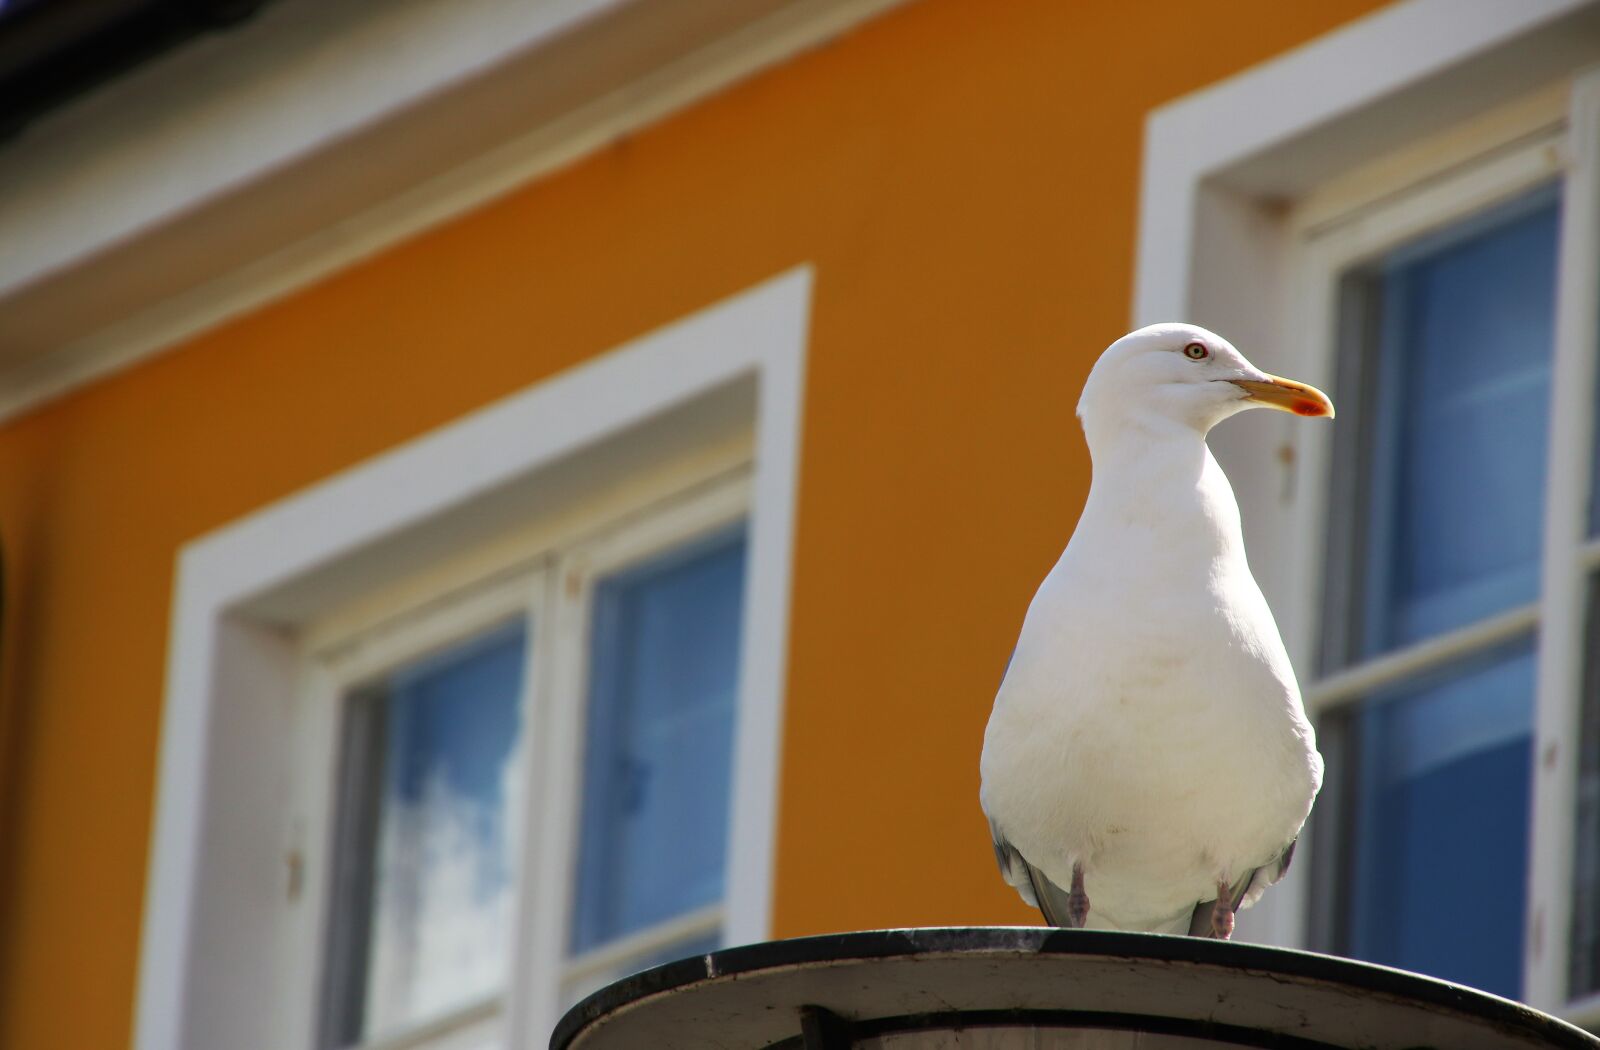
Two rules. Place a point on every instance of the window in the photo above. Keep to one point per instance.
(1449, 627)
(1440, 620)
(658, 743)
(1445, 387)
(348, 592)
(427, 835)
(1441, 536)
(631, 668)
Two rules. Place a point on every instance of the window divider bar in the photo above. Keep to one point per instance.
(443, 1025)
(1355, 682)
(701, 920)
(1583, 1012)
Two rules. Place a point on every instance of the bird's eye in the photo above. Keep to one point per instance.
(1196, 352)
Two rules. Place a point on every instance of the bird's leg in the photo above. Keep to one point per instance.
(1077, 900)
(1222, 912)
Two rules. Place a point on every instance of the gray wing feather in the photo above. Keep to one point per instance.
(1029, 882)
(1036, 888)
(1013, 868)
(1051, 899)
(1033, 885)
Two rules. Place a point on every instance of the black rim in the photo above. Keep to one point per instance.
(880, 944)
(1072, 1019)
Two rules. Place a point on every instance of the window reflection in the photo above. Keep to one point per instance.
(424, 894)
(1437, 525)
(1437, 878)
(659, 753)
(1458, 426)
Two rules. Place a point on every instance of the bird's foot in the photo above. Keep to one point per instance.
(1222, 912)
(1077, 900)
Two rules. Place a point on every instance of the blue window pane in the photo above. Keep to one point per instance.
(439, 740)
(664, 672)
(1459, 428)
(1439, 870)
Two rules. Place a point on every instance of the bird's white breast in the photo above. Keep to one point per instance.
(1149, 726)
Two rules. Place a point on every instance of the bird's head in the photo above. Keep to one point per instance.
(1186, 374)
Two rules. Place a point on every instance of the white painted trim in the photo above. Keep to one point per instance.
(415, 633)
(1325, 694)
(1420, 200)
(472, 1025)
(760, 333)
(646, 942)
(1564, 584)
(163, 322)
(1528, 131)
(1204, 134)
(193, 102)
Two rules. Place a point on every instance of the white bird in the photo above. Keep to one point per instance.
(1148, 764)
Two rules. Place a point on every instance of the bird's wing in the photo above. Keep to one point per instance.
(1013, 867)
(1246, 891)
(1031, 884)
(1051, 899)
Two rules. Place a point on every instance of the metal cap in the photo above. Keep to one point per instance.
(1000, 987)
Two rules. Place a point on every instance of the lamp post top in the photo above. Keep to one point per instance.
(899, 987)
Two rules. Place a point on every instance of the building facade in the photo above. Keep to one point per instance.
(496, 495)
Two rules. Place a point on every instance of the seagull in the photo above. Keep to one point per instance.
(1148, 764)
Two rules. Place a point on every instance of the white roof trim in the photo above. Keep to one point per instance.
(253, 163)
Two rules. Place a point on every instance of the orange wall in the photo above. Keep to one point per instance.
(963, 176)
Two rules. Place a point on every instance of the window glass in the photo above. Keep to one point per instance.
(659, 740)
(1438, 873)
(1459, 401)
(1437, 521)
(428, 831)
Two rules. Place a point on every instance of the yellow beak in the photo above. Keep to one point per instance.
(1286, 396)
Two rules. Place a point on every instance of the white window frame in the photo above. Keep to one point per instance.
(551, 862)
(1329, 241)
(335, 662)
(548, 580)
(223, 848)
(1235, 176)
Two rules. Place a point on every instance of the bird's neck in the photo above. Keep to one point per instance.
(1136, 447)
(1156, 483)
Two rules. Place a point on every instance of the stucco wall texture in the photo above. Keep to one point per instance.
(962, 176)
